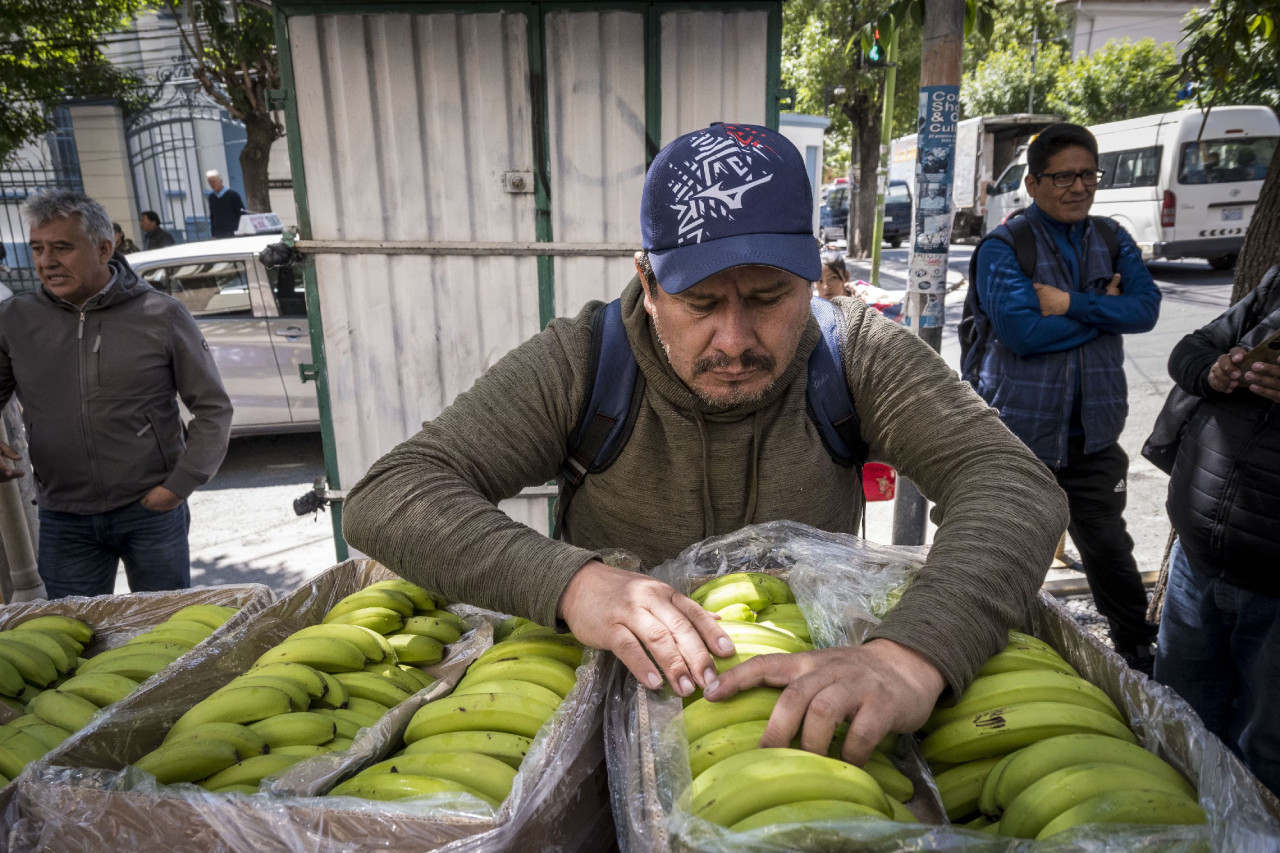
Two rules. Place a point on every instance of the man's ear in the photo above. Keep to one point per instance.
(105, 249)
(1030, 183)
(645, 284)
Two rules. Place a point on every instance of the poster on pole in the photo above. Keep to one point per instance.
(938, 116)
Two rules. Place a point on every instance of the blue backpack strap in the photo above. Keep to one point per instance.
(613, 398)
(827, 397)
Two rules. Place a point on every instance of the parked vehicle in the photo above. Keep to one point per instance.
(255, 322)
(984, 147)
(1182, 184)
(833, 215)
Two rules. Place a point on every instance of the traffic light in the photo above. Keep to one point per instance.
(876, 57)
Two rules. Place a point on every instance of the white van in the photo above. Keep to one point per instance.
(1181, 184)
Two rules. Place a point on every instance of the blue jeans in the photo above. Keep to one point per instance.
(1219, 648)
(79, 554)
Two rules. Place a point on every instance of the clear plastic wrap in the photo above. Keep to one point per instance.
(116, 619)
(85, 801)
(844, 585)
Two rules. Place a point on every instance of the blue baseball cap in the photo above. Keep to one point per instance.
(727, 196)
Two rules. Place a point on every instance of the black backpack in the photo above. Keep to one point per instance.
(617, 387)
(974, 326)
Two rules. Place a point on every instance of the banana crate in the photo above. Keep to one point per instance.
(685, 775)
(85, 628)
(95, 797)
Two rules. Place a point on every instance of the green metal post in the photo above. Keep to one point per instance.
(886, 138)
(652, 84)
(319, 366)
(773, 66)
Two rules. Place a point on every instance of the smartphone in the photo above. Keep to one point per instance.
(1268, 351)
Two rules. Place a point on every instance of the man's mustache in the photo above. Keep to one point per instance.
(747, 361)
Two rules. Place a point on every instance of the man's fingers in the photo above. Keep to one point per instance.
(706, 624)
(866, 729)
(826, 709)
(660, 639)
(794, 709)
(770, 670)
(630, 651)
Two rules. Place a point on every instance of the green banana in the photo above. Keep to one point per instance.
(386, 599)
(961, 786)
(489, 776)
(17, 750)
(301, 751)
(763, 635)
(516, 687)
(375, 688)
(342, 727)
(568, 652)
(1002, 730)
(67, 648)
(750, 782)
(300, 674)
(733, 588)
(891, 780)
(251, 771)
(188, 760)
(703, 717)
(323, 653)
(504, 746)
(77, 630)
(299, 698)
(185, 625)
(238, 705)
(381, 620)
(1045, 799)
(65, 710)
(366, 707)
(717, 745)
(551, 674)
(423, 599)
(416, 648)
(806, 812)
(11, 683)
(374, 646)
(300, 728)
(506, 627)
(246, 741)
(168, 652)
(335, 695)
(234, 789)
(138, 664)
(361, 721)
(1011, 688)
(1019, 770)
(736, 613)
(451, 618)
(1013, 659)
(417, 675)
(213, 615)
(394, 674)
(1019, 640)
(338, 744)
(432, 626)
(48, 734)
(401, 786)
(1128, 806)
(163, 634)
(33, 665)
(479, 712)
(797, 628)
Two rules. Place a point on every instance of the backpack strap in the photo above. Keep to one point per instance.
(1024, 244)
(1106, 228)
(613, 399)
(827, 397)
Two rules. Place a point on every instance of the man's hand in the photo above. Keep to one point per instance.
(1263, 379)
(1225, 373)
(1052, 300)
(160, 499)
(880, 687)
(7, 471)
(629, 613)
(1113, 286)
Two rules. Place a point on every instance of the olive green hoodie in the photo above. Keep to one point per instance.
(689, 471)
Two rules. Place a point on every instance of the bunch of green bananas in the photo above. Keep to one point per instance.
(737, 784)
(473, 740)
(42, 674)
(310, 694)
(1030, 749)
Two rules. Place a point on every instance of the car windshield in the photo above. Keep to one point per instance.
(898, 192)
(1223, 161)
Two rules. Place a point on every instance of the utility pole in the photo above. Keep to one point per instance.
(943, 46)
(886, 137)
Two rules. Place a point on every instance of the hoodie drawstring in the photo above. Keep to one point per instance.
(708, 512)
(753, 474)
(753, 471)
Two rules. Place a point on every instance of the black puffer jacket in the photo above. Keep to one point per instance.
(1224, 491)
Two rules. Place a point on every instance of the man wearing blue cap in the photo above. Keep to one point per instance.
(718, 331)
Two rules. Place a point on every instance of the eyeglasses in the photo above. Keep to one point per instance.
(1088, 177)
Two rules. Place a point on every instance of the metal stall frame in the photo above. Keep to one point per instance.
(545, 249)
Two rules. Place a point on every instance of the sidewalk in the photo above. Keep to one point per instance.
(894, 268)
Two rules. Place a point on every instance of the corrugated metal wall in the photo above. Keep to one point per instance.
(407, 123)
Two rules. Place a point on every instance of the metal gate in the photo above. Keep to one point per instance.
(49, 164)
(170, 144)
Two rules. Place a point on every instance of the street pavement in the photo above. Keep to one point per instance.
(243, 527)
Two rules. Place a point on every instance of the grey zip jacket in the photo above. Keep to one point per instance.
(99, 388)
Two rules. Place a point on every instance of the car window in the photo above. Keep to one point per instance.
(288, 290)
(898, 192)
(837, 199)
(211, 289)
(1011, 179)
(1137, 167)
(1223, 161)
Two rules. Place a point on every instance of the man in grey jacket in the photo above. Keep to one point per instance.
(98, 359)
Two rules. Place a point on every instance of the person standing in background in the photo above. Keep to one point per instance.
(124, 245)
(225, 207)
(153, 236)
(835, 276)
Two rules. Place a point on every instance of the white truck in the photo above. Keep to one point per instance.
(984, 147)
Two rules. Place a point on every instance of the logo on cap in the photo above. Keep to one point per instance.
(713, 179)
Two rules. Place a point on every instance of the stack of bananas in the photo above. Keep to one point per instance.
(43, 652)
(473, 741)
(735, 783)
(310, 694)
(1030, 749)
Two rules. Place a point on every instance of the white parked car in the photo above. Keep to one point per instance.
(255, 324)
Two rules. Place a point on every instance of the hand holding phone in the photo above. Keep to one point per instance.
(1268, 351)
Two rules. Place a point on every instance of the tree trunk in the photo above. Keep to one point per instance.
(254, 159)
(1261, 249)
(868, 166)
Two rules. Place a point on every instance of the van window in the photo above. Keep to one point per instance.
(1136, 167)
(1223, 161)
(1011, 179)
